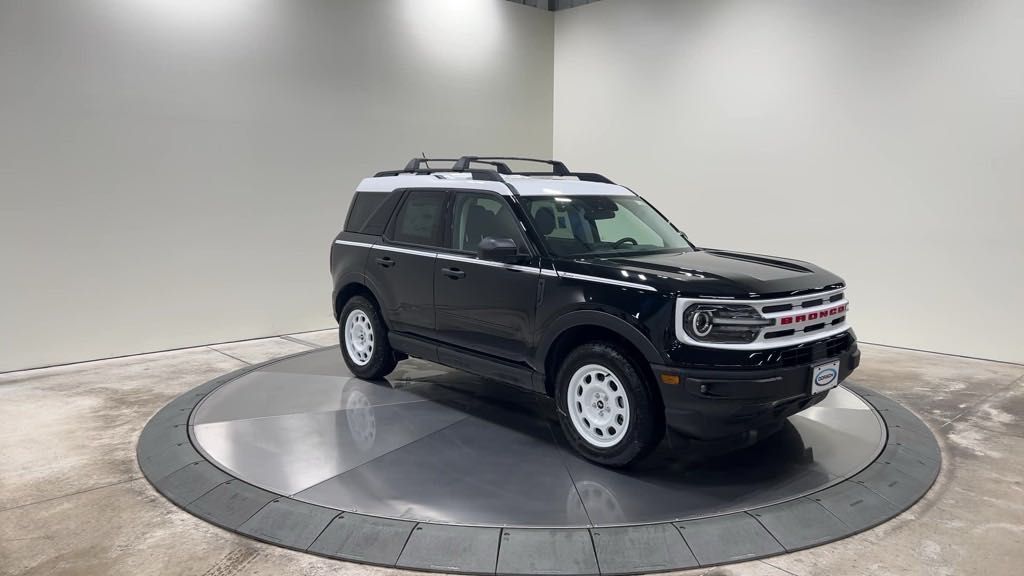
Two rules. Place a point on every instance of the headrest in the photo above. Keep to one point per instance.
(544, 220)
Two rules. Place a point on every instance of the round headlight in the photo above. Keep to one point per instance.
(701, 323)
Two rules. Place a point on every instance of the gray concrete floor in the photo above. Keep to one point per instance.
(72, 499)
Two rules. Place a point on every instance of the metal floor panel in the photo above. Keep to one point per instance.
(273, 394)
(470, 473)
(287, 454)
(441, 470)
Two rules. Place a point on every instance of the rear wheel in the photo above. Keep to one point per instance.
(606, 407)
(364, 340)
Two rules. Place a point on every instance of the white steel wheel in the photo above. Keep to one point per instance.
(598, 406)
(359, 337)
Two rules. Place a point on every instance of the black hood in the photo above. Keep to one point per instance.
(715, 273)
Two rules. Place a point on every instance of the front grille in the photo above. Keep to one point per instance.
(804, 317)
(814, 351)
(793, 320)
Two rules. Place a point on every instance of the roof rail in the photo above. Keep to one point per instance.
(421, 166)
(490, 175)
(414, 165)
(557, 168)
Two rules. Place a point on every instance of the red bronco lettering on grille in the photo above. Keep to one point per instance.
(813, 315)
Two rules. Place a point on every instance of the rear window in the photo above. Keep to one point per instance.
(365, 206)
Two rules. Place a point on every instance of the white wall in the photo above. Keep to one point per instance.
(172, 171)
(882, 140)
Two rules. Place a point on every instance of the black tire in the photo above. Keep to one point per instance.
(646, 417)
(381, 360)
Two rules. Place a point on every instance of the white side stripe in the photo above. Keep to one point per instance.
(404, 250)
(351, 243)
(622, 283)
(452, 257)
(470, 260)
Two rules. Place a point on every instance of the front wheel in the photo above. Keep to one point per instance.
(605, 406)
(364, 340)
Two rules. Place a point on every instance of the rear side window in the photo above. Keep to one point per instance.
(364, 204)
(420, 219)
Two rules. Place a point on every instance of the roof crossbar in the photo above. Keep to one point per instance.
(421, 166)
(558, 168)
(417, 164)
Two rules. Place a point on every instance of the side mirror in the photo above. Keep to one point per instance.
(502, 250)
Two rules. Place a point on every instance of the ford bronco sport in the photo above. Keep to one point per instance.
(569, 285)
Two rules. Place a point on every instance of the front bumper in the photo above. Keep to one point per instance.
(710, 404)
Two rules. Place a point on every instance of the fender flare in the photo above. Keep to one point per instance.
(596, 318)
(348, 280)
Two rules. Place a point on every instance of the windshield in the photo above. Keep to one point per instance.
(589, 225)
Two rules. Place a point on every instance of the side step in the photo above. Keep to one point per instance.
(463, 360)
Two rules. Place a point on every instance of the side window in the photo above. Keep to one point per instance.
(420, 219)
(477, 216)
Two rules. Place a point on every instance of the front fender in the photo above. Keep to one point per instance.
(596, 318)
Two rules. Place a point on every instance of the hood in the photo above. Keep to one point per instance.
(714, 273)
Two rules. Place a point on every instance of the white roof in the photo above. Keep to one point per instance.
(525, 186)
(559, 187)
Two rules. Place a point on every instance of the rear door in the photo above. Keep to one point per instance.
(401, 265)
(485, 306)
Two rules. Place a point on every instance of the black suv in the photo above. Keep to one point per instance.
(569, 285)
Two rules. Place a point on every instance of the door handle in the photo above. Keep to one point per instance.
(453, 273)
(385, 261)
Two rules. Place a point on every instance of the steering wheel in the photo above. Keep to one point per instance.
(626, 239)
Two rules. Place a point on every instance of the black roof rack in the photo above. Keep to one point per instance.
(558, 169)
(421, 166)
(414, 164)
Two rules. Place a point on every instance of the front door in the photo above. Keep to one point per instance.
(485, 306)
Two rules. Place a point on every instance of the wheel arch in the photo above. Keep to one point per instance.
(355, 287)
(583, 326)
